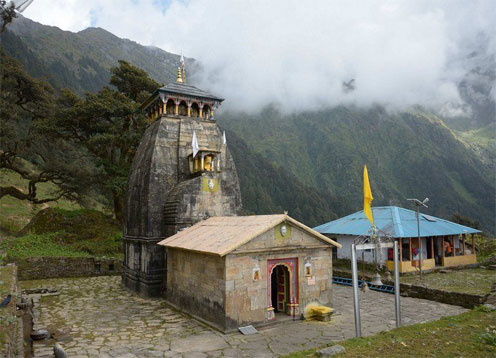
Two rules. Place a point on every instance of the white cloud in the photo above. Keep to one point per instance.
(298, 53)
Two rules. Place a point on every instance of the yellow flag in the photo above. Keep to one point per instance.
(367, 196)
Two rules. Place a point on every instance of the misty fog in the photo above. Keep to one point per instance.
(305, 54)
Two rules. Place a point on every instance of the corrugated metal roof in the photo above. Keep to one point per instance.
(396, 222)
(223, 234)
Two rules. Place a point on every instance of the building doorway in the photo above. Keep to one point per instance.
(280, 288)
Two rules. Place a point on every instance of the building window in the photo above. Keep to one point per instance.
(183, 108)
(170, 107)
(195, 110)
(204, 162)
(206, 111)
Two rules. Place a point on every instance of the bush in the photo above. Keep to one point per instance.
(57, 232)
(489, 338)
(38, 245)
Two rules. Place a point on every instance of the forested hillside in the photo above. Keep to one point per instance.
(408, 154)
(82, 61)
(308, 163)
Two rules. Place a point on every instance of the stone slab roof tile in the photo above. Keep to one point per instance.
(181, 88)
(222, 235)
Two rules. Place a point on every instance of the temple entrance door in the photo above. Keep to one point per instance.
(280, 288)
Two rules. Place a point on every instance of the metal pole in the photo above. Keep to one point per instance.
(363, 266)
(397, 285)
(419, 242)
(354, 270)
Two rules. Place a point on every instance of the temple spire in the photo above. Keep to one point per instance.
(179, 78)
(183, 68)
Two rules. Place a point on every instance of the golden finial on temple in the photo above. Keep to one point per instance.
(183, 68)
(179, 76)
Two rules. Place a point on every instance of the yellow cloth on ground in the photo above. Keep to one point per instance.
(321, 310)
(367, 196)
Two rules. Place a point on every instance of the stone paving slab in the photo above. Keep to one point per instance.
(96, 317)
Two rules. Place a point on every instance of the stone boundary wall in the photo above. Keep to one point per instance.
(11, 328)
(465, 300)
(35, 268)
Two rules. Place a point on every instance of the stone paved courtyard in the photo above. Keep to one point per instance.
(95, 317)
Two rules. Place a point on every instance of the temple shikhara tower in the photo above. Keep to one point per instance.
(182, 173)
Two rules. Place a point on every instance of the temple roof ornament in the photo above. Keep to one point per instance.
(183, 68)
(179, 78)
(199, 103)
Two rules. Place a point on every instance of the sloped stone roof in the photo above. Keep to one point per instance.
(222, 235)
(188, 90)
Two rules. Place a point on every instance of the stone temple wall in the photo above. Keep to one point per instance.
(163, 197)
(195, 284)
(247, 300)
(222, 290)
(161, 164)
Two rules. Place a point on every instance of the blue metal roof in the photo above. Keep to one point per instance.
(394, 221)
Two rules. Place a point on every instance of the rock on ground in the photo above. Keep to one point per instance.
(331, 351)
(58, 351)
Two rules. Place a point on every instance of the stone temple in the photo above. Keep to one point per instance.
(248, 270)
(182, 173)
(184, 239)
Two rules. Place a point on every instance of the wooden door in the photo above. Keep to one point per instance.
(282, 288)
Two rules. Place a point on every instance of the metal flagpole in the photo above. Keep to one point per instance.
(419, 203)
(397, 285)
(419, 242)
(358, 328)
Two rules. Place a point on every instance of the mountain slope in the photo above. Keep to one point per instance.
(267, 189)
(308, 163)
(81, 61)
(408, 154)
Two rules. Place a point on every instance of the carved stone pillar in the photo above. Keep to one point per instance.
(176, 109)
(189, 108)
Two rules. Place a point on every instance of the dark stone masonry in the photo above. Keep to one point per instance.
(170, 187)
(36, 268)
(11, 323)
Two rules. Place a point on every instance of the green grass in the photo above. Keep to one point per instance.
(476, 281)
(61, 233)
(471, 334)
(484, 137)
(15, 213)
(54, 229)
(45, 245)
(486, 248)
(58, 244)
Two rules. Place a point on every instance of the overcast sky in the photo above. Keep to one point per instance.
(299, 53)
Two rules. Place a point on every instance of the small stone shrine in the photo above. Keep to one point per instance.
(182, 173)
(237, 271)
